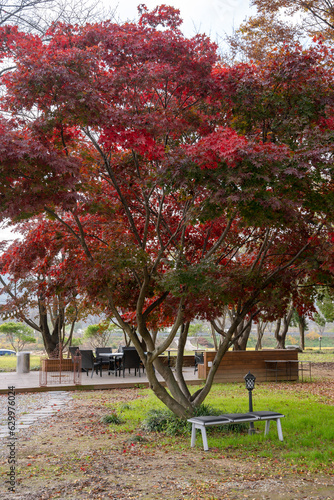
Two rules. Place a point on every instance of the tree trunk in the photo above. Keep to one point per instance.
(173, 391)
(127, 340)
(218, 325)
(261, 326)
(241, 336)
(302, 327)
(154, 335)
(281, 336)
(179, 358)
(214, 338)
(50, 339)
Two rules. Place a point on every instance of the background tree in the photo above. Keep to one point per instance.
(38, 15)
(33, 278)
(279, 22)
(218, 327)
(325, 309)
(195, 330)
(242, 333)
(99, 335)
(261, 326)
(282, 327)
(300, 320)
(17, 334)
(182, 187)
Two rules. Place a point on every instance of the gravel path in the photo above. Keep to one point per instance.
(30, 409)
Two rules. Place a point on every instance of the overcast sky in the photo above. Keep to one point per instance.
(213, 17)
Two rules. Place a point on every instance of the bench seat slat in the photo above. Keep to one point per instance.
(264, 415)
(241, 417)
(210, 420)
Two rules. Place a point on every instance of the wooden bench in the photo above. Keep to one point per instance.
(232, 418)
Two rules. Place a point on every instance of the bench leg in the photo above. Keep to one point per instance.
(204, 438)
(193, 435)
(266, 430)
(279, 429)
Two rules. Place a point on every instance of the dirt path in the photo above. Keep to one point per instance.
(323, 371)
(74, 456)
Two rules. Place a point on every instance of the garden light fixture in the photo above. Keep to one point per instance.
(250, 384)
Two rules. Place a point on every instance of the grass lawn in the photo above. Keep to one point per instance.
(308, 426)
(326, 355)
(8, 363)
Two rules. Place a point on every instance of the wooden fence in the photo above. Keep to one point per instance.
(267, 364)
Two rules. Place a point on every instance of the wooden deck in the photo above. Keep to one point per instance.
(233, 368)
(29, 382)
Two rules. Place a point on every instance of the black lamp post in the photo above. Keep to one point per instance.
(320, 338)
(250, 384)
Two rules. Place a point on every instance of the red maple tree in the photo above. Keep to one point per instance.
(181, 186)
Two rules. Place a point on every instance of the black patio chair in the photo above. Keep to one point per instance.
(74, 350)
(106, 361)
(89, 362)
(199, 360)
(122, 347)
(98, 350)
(130, 360)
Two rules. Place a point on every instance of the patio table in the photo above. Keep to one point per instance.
(284, 367)
(112, 356)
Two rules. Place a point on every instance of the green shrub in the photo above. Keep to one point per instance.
(137, 438)
(163, 420)
(125, 406)
(113, 418)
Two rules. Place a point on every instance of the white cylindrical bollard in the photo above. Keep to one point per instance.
(23, 362)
